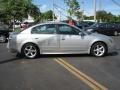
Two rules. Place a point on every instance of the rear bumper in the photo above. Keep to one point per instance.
(11, 49)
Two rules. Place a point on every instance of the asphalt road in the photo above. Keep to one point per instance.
(60, 72)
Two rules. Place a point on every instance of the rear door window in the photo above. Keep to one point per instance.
(44, 29)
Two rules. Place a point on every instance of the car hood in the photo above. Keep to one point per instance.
(100, 36)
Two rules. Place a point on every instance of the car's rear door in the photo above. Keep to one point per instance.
(47, 38)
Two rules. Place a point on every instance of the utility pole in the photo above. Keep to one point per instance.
(60, 15)
(100, 8)
(100, 5)
(83, 10)
(95, 10)
(53, 10)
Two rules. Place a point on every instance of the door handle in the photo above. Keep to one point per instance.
(63, 38)
(36, 38)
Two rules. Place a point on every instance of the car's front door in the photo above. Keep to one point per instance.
(46, 37)
(70, 40)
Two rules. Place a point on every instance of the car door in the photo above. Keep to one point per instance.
(47, 38)
(70, 40)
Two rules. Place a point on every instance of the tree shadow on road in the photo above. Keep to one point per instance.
(113, 54)
(18, 57)
(12, 59)
(9, 60)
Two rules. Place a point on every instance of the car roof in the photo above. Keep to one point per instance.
(51, 22)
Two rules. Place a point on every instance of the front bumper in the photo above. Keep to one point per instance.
(112, 47)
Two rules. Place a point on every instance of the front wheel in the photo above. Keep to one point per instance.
(30, 50)
(98, 49)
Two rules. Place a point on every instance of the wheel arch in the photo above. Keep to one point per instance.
(97, 42)
(30, 43)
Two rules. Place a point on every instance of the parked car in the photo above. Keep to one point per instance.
(80, 24)
(109, 29)
(83, 24)
(58, 38)
(4, 33)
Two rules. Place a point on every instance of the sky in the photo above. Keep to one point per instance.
(106, 5)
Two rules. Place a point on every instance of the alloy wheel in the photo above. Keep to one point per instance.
(98, 49)
(30, 51)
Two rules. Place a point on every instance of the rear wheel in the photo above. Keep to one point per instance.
(99, 49)
(30, 50)
(2, 38)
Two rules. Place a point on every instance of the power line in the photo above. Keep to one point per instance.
(59, 7)
(115, 2)
(100, 5)
(60, 11)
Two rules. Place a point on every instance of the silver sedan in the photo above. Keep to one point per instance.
(58, 38)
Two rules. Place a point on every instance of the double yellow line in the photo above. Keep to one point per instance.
(86, 79)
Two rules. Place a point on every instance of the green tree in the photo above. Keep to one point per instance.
(73, 7)
(78, 14)
(31, 9)
(118, 20)
(107, 17)
(18, 9)
(88, 17)
(47, 16)
(102, 16)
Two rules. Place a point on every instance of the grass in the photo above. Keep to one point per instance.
(17, 30)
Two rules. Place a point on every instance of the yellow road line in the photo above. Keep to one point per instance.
(86, 79)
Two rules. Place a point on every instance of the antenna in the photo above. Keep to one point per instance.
(83, 10)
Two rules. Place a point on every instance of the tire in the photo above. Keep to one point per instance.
(98, 49)
(30, 51)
